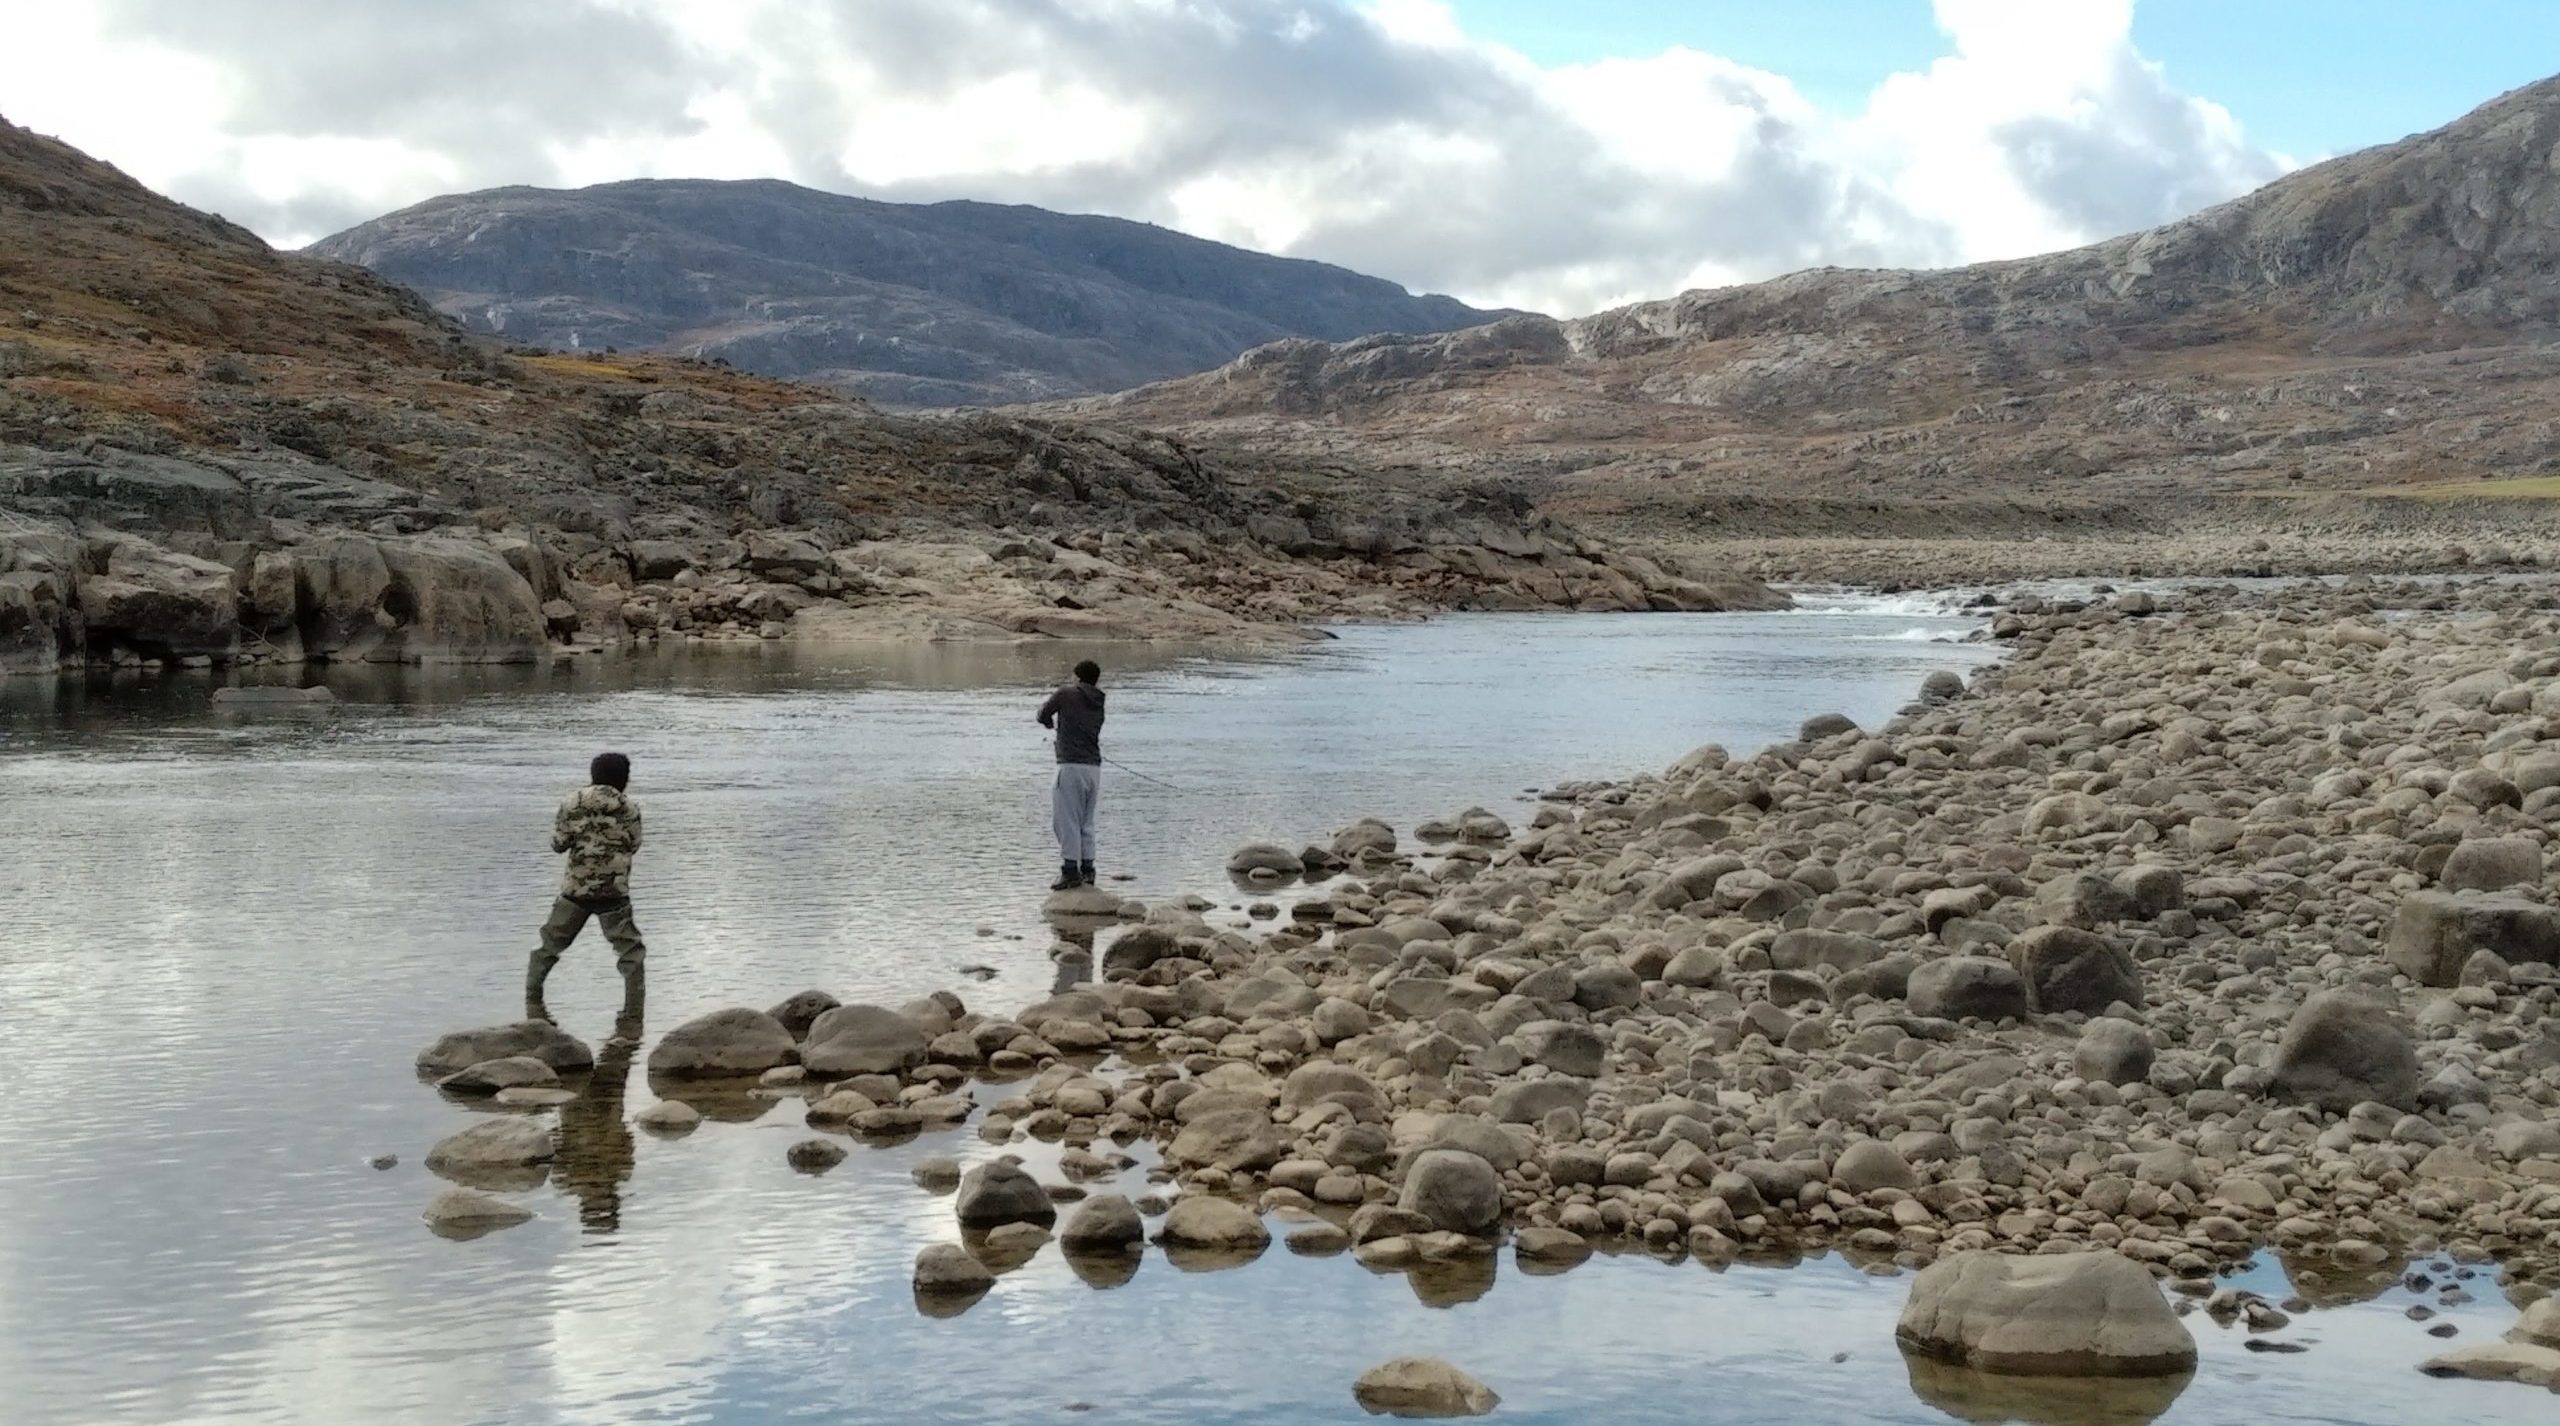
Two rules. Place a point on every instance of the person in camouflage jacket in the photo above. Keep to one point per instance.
(599, 827)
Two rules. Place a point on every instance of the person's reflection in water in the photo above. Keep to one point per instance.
(595, 1139)
(1074, 957)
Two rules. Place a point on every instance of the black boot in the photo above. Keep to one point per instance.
(1084, 872)
(1068, 878)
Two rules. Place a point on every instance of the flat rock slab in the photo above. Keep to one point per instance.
(2525, 1362)
(539, 1039)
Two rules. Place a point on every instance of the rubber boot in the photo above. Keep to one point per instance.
(534, 1009)
(1068, 878)
(626, 1021)
(1084, 872)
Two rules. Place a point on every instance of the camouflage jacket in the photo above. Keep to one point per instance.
(600, 830)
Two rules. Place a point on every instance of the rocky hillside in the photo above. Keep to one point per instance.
(2379, 322)
(931, 305)
(211, 452)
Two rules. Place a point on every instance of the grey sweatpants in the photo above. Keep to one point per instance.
(1071, 807)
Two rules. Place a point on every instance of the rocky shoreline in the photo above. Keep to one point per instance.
(2202, 924)
(118, 560)
(1892, 564)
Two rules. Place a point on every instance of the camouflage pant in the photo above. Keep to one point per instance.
(568, 918)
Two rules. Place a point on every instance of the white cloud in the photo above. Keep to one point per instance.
(1375, 133)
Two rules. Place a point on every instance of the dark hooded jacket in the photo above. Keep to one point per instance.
(1075, 711)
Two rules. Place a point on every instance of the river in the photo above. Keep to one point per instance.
(223, 936)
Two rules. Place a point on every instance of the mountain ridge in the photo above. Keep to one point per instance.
(949, 303)
(2379, 322)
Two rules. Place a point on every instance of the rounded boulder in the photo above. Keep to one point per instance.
(2094, 1314)
(736, 1041)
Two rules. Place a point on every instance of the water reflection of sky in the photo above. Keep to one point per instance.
(221, 940)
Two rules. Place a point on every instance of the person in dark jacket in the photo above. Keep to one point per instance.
(599, 827)
(1074, 713)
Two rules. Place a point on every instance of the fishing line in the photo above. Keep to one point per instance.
(1140, 776)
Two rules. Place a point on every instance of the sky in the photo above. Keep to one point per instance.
(1558, 155)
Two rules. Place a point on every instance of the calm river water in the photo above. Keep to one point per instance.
(223, 937)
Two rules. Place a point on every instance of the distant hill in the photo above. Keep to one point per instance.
(2388, 320)
(906, 304)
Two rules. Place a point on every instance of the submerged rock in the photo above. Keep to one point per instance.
(669, 1117)
(815, 1156)
(467, 1212)
(1421, 1387)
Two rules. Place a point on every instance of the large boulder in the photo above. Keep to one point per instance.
(2492, 864)
(2113, 1052)
(2065, 815)
(1421, 1387)
(2086, 900)
(863, 1039)
(2092, 1314)
(1565, 1046)
(1368, 837)
(34, 621)
(2435, 932)
(540, 1039)
(1229, 1139)
(1871, 1164)
(467, 1213)
(161, 604)
(1458, 1191)
(1321, 1082)
(494, 1147)
(452, 600)
(1200, 1221)
(1692, 880)
(2066, 969)
(1136, 950)
(1968, 988)
(801, 1011)
(2341, 1049)
(1806, 949)
(999, 1191)
(734, 1041)
(1529, 1101)
(1106, 1222)
(341, 585)
(947, 1270)
(1265, 859)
